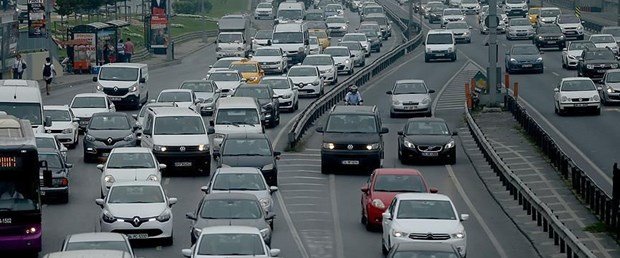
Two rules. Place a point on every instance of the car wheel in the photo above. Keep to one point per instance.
(508, 70)
(88, 158)
(426, 59)
(597, 112)
(351, 71)
(542, 70)
(296, 105)
(64, 198)
(564, 64)
(429, 114)
(392, 114)
(452, 159)
(206, 170)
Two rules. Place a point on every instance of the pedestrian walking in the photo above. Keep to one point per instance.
(19, 66)
(120, 51)
(128, 50)
(106, 54)
(48, 74)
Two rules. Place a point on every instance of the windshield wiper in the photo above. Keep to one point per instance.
(243, 123)
(229, 123)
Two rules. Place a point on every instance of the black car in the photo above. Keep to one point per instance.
(423, 249)
(549, 36)
(54, 163)
(249, 150)
(270, 105)
(426, 138)
(106, 131)
(374, 39)
(524, 57)
(435, 14)
(352, 138)
(595, 62)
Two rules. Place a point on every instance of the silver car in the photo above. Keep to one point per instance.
(611, 89)
(242, 180)
(139, 210)
(127, 164)
(64, 124)
(519, 28)
(461, 31)
(572, 53)
(97, 241)
(410, 97)
(230, 242)
(358, 52)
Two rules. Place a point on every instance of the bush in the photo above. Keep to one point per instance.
(191, 6)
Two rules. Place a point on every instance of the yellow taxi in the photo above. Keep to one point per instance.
(533, 15)
(322, 36)
(249, 70)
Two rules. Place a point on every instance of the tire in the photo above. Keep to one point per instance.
(206, 170)
(452, 159)
(426, 59)
(597, 112)
(508, 70)
(75, 142)
(296, 106)
(88, 158)
(64, 198)
(564, 64)
(429, 114)
(392, 114)
(351, 71)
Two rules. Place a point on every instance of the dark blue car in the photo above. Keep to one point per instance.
(524, 58)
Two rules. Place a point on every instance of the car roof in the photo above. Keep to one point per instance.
(246, 136)
(137, 183)
(225, 71)
(89, 254)
(56, 107)
(439, 31)
(523, 45)
(425, 246)
(230, 196)
(230, 229)
(130, 65)
(110, 114)
(44, 135)
(173, 111)
(95, 236)
(237, 102)
(177, 90)
(397, 171)
(160, 104)
(423, 196)
(237, 170)
(410, 81)
(346, 109)
(302, 66)
(230, 58)
(576, 79)
(426, 119)
(335, 47)
(131, 150)
(82, 95)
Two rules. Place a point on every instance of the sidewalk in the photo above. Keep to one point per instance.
(527, 162)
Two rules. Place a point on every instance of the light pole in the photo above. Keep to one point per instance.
(170, 46)
(410, 22)
(492, 75)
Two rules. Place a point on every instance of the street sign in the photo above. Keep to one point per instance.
(481, 81)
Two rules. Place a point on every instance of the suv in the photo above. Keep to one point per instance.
(516, 8)
(352, 138)
(267, 99)
(440, 44)
(178, 138)
(570, 26)
(235, 115)
(595, 62)
(549, 36)
(106, 131)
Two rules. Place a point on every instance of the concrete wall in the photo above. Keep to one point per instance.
(35, 62)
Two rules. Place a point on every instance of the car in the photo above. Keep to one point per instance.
(461, 31)
(548, 15)
(519, 28)
(433, 11)
(352, 139)
(206, 92)
(333, 10)
(451, 15)
(572, 53)
(226, 80)
(440, 44)
(315, 15)
(337, 25)
(84, 105)
(371, 7)
(50, 142)
(470, 6)
(183, 98)
(426, 139)
(127, 84)
(454, 3)
(263, 11)
(501, 26)
(235, 115)
(605, 41)
(314, 45)
(516, 8)
(139, 117)
(324, 39)
(239, 209)
(595, 62)
(250, 150)
(342, 59)
(89, 254)
(65, 126)
(266, 98)
(326, 65)
(370, 25)
(231, 44)
(374, 38)
(381, 188)
(308, 79)
(107, 131)
(250, 70)
(570, 25)
(549, 36)
(139, 209)
(524, 57)
(222, 64)
(610, 92)
(412, 217)
(284, 88)
(230, 241)
(410, 97)
(532, 15)
(359, 37)
(126, 164)
(262, 38)
(385, 25)
(576, 93)
(613, 30)
(97, 241)
(357, 50)
(59, 169)
(428, 249)
(271, 59)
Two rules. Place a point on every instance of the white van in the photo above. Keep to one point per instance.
(293, 39)
(440, 44)
(126, 84)
(22, 99)
(231, 44)
(236, 115)
(289, 12)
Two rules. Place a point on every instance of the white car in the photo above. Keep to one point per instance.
(416, 217)
(577, 93)
(359, 37)
(548, 15)
(271, 59)
(206, 93)
(454, 3)
(519, 28)
(516, 8)
(326, 66)
(226, 80)
(262, 38)
(342, 58)
(308, 79)
(84, 105)
(570, 26)
(572, 53)
(127, 164)
(337, 25)
(605, 41)
(230, 242)
(263, 11)
(49, 141)
(440, 44)
(451, 15)
(315, 46)
(470, 6)
(141, 209)
(242, 180)
(97, 241)
(65, 126)
(410, 97)
(460, 30)
(358, 52)
(222, 64)
(181, 97)
(285, 89)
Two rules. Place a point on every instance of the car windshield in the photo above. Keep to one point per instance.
(282, 83)
(175, 96)
(568, 19)
(452, 12)
(335, 20)
(118, 74)
(520, 22)
(28, 111)
(302, 71)
(421, 253)
(515, 1)
(439, 38)
(351, 45)
(89, 102)
(198, 86)
(410, 88)
(550, 13)
(244, 68)
(253, 92)
(263, 34)
(379, 20)
(457, 25)
(290, 14)
(46, 143)
(230, 38)
(580, 45)
(602, 39)
(373, 9)
(435, 5)
(267, 52)
(354, 37)
(224, 77)
(179, 125)
(318, 60)
(425, 209)
(53, 160)
(549, 29)
(370, 33)
(318, 33)
(287, 37)
(603, 54)
(246, 147)
(313, 41)
(239, 182)
(427, 128)
(135, 194)
(231, 244)
(223, 63)
(578, 85)
(469, 1)
(130, 160)
(236, 116)
(399, 183)
(264, 6)
(336, 51)
(109, 123)
(231, 209)
(525, 50)
(351, 123)
(316, 25)
(97, 245)
(314, 17)
(59, 115)
(369, 27)
(613, 31)
(613, 77)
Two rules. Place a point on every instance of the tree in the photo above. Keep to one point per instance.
(191, 6)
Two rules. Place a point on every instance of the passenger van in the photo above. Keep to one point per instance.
(22, 99)
(293, 39)
(440, 44)
(290, 12)
(236, 115)
(126, 84)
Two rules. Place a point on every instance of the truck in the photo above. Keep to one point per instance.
(232, 36)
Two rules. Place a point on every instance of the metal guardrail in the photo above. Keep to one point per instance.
(143, 54)
(539, 211)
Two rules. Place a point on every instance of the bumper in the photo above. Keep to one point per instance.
(309, 90)
(127, 100)
(54, 192)
(259, 16)
(99, 149)
(206, 110)
(551, 43)
(221, 54)
(353, 159)
(344, 68)
(572, 62)
(459, 244)
(594, 74)
(273, 68)
(579, 106)
(22, 243)
(287, 103)
(184, 161)
(462, 38)
(329, 77)
(440, 55)
(374, 215)
(516, 12)
(154, 229)
(525, 67)
(337, 31)
(573, 33)
(613, 97)
(517, 35)
(471, 10)
(410, 110)
(65, 138)
(411, 153)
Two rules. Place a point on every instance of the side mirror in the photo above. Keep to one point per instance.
(270, 216)
(599, 88)
(95, 78)
(564, 49)
(431, 91)
(216, 154)
(100, 167)
(319, 130)
(142, 80)
(76, 119)
(401, 133)
(172, 201)
(211, 123)
(99, 202)
(464, 217)
(204, 189)
(210, 130)
(48, 121)
(136, 126)
(433, 190)
(269, 42)
(389, 92)
(556, 90)
(162, 166)
(186, 252)
(273, 189)
(365, 188)
(384, 130)
(210, 66)
(135, 116)
(277, 153)
(274, 252)
(69, 165)
(352, 55)
(386, 216)
(507, 52)
(190, 216)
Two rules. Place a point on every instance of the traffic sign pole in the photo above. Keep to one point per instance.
(492, 74)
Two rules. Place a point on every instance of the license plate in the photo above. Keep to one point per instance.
(521, 34)
(137, 236)
(439, 54)
(410, 107)
(183, 164)
(550, 42)
(580, 105)
(601, 71)
(350, 162)
(430, 154)
(115, 98)
(42, 193)
(527, 65)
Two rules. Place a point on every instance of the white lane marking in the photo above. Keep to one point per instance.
(166, 181)
(291, 227)
(445, 86)
(475, 212)
(556, 74)
(303, 184)
(336, 217)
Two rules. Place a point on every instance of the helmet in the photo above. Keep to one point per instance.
(353, 88)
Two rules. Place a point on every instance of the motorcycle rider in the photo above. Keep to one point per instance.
(353, 97)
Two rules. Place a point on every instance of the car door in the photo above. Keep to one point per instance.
(143, 85)
(147, 134)
(387, 223)
(366, 195)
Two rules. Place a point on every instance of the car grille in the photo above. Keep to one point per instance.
(458, 34)
(551, 38)
(53, 131)
(150, 232)
(115, 91)
(353, 147)
(602, 65)
(430, 148)
(12, 230)
(410, 103)
(439, 52)
(429, 236)
(453, 19)
(521, 31)
(182, 148)
(109, 141)
(84, 120)
(268, 63)
(580, 99)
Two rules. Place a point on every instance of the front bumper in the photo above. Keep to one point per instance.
(410, 109)
(130, 99)
(525, 66)
(415, 153)
(235, 53)
(352, 159)
(65, 138)
(344, 68)
(329, 76)
(573, 33)
(287, 103)
(459, 244)
(594, 74)
(337, 31)
(206, 109)
(520, 35)
(516, 12)
(102, 150)
(471, 10)
(308, 89)
(462, 37)
(551, 43)
(21, 243)
(580, 105)
(184, 160)
(153, 228)
(54, 192)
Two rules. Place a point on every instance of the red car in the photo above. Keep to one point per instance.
(385, 183)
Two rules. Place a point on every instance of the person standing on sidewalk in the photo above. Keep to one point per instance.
(106, 54)
(128, 50)
(19, 66)
(120, 54)
(48, 74)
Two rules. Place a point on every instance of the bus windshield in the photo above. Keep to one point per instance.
(28, 111)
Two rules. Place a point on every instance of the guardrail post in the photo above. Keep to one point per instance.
(516, 91)
(616, 197)
(468, 96)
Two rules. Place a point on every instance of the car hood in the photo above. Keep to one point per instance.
(569, 25)
(606, 45)
(229, 85)
(575, 53)
(229, 46)
(303, 79)
(180, 140)
(119, 84)
(255, 223)
(613, 85)
(429, 139)
(288, 47)
(267, 58)
(237, 129)
(550, 34)
(525, 58)
(247, 161)
(324, 67)
(59, 125)
(429, 226)
(131, 174)
(283, 91)
(351, 138)
(203, 95)
(105, 134)
(142, 210)
(340, 59)
(580, 94)
(259, 194)
(87, 112)
(336, 24)
(406, 98)
(524, 27)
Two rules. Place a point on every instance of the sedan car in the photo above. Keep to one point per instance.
(381, 187)
(232, 209)
(326, 65)
(595, 62)
(288, 94)
(374, 38)
(451, 15)
(519, 28)
(266, 98)
(226, 80)
(263, 11)
(342, 58)
(577, 93)
(84, 105)
(337, 25)
(65, 126)
(184, 98)
(97, 241)
(549, 36)
(548, 15)
(106, 131)
(523, 57)
(230, 242)
(126, 164)
(359, 37)
(613, 30)
(206, 92)
(59, 169)
(50, 142)
(357, 51)
(271, 59)
(416, 217)
(428, 249)
(572, 53)
(223, 63)
(426, 138)
(308, 79)
(570, 26)
(461, 31)
(605, 41)
(410, 97)
(321, 34)
(611, 87)
(314, 45)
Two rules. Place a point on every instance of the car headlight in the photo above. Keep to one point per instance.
(316, 83)
(264, 232)
(458, 235)
(561, 37)
(540, 37)
(450, 145)
(610, 90)
(89, 138)
(133, 88)
(378, 204)
(590, 66)
(287, 95)
(344, 27)
(128, 137)
(426, 101)
(396, 233)
(328, 145)
(109, 179)
(164, 216)
(596, 98)
(99, 88)
(218, 49)
(564, 99)
(408, 144)
(614, 66)
(108, 217)
(68, 130)
(152, 178)
(450, 49)
(466, 33)
(512, 60)
(373, 146)
(203, 147)
(159, 148)
(571, 57)
(265, 203)
(539, 59)
(347, 61)
(395, 102)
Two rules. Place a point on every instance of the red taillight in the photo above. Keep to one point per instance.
(64, 182)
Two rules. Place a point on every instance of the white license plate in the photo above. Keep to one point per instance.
(580, 105)
(116, 98)
(601, 71)
(430, 154)
(410, 107)
(137, 236)
(527, 65)
(439, 54)
(350, 162)
(42, 193)
(550, 42)
(183, 164)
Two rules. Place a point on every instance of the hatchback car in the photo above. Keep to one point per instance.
(84, 105)
(594, 62)
(314, 45)
(342, 59)
(410, 97)
(224, 63)
(140, 210)
(271, 59)
(59, 189)
(230, 241)
(461, 31)
(522, 58)
(326, 66)
(106, 131)
(605, 41)
(250, 150)
(65, 126)
(266, 98)
(50, 142)
(548, 15)
(426, 138)
(549, 36)
(288, 94)
(357, 51)
(572, 53)
(308, 79)
(97, 241)
(337, 25)
(262, 38)
(519, 28)
(126, 164)
(184, 98)
(359, 37)
(247, 180)
(576, 93)
(206, 93)
(226, 80)
(610, 92)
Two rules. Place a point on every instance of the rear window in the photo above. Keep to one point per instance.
(439, 38)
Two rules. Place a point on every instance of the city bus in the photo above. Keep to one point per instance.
(22, 99)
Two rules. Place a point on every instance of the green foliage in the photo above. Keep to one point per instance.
(65, 7)
(191, 6)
